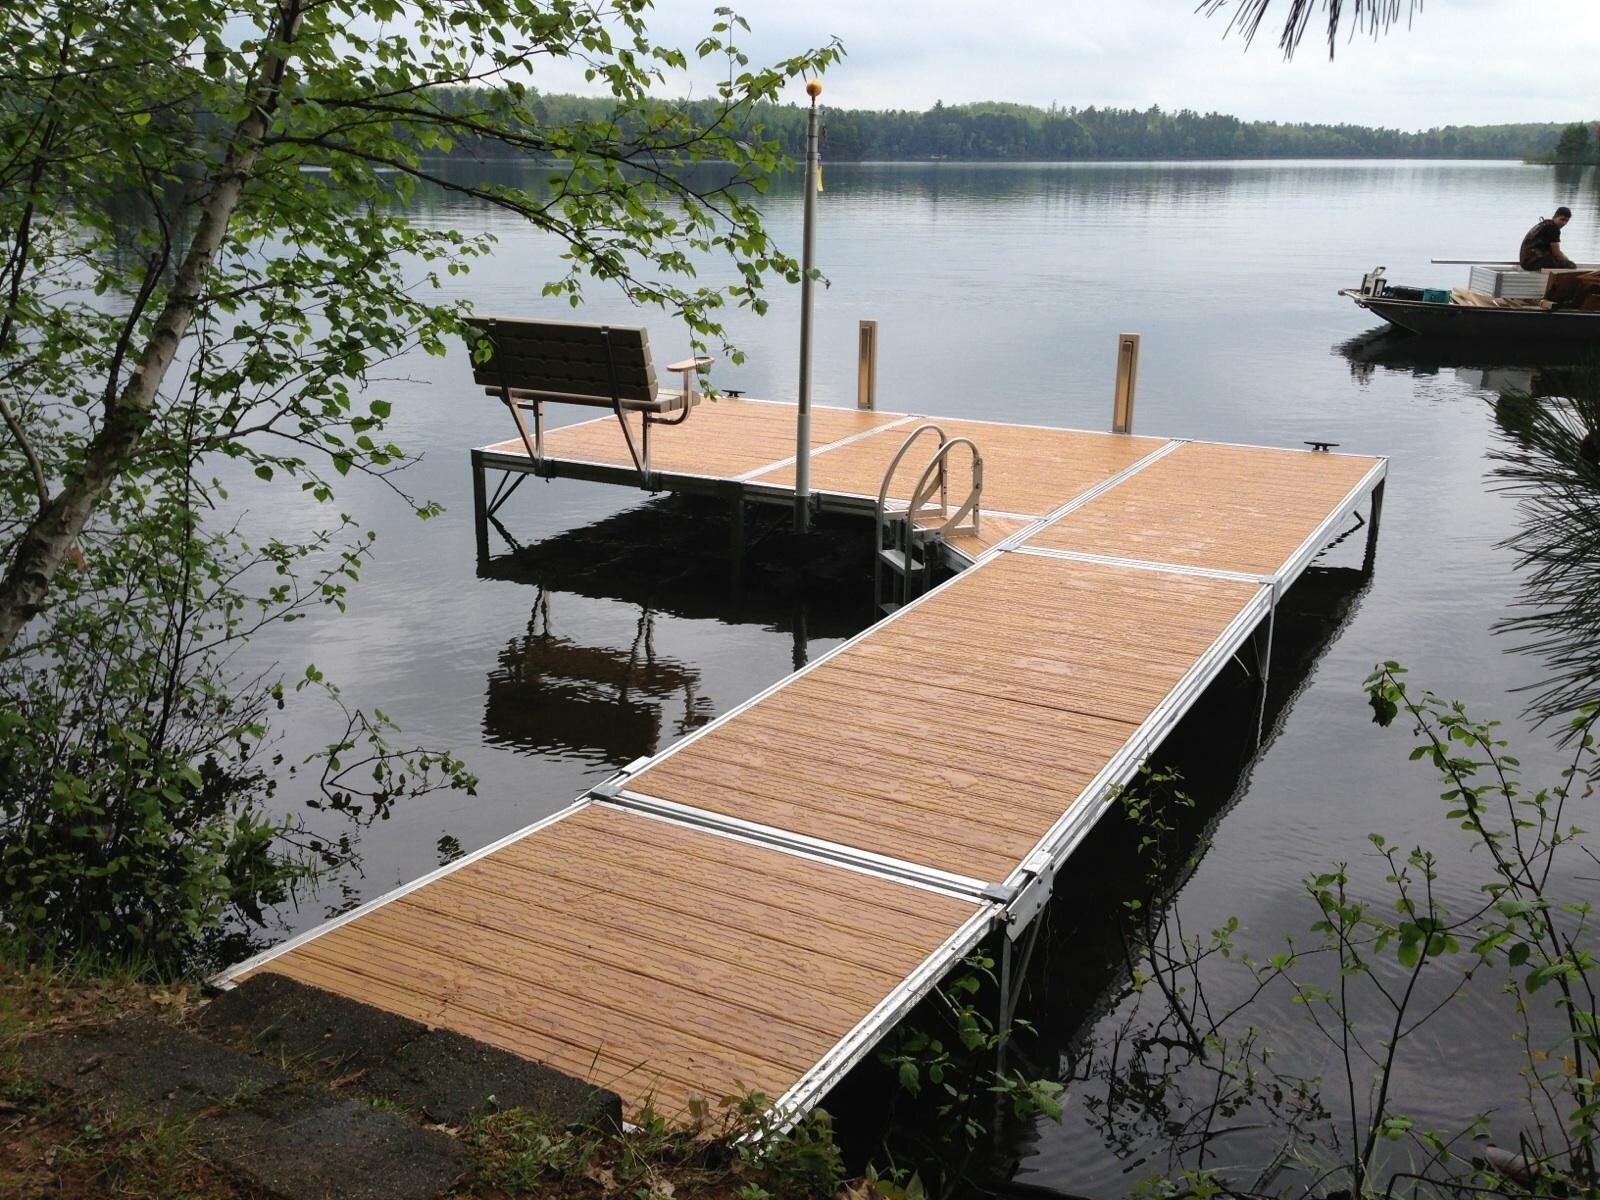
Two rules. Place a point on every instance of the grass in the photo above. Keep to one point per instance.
(48, 1148)
(521, 1153)
(51, 1148)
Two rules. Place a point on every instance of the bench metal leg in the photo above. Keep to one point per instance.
(641, 463)
(533, 445)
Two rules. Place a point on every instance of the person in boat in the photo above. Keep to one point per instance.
(1541, 247)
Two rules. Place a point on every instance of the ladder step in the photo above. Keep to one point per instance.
(895, 558)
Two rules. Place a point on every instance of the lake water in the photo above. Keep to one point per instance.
(999, 292)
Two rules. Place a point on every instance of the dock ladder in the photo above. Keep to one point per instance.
(911, 533)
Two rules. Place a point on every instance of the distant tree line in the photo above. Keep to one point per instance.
(1573, 145)
(994, 131)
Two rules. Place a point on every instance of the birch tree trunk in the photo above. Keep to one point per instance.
(50, 538)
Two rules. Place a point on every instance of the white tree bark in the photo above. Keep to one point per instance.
(51, 537)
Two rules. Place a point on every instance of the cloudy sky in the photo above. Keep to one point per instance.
(1459, 62)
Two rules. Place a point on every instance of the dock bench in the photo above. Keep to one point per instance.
(530, 363)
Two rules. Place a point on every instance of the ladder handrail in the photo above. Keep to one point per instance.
(924, 487)
(905, 547)
(888, 476)
(910, 546)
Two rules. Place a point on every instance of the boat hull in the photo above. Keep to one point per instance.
(1466, 321)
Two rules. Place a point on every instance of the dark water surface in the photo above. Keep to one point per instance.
(999, 292)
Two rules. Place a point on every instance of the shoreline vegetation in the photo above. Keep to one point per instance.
(999, 131)
(1577, 146)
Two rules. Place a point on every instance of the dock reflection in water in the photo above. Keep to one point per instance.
(552, 695)
(670, 558)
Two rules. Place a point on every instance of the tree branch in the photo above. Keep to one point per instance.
(46, 543)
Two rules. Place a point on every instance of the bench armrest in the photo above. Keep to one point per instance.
(690, 368)
(698, 363)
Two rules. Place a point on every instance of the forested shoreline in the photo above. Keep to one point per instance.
(1003, 132)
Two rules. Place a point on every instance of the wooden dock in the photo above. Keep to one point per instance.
(754, 907)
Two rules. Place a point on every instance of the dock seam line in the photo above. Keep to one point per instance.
(800, 845)
(1148, 564)
(1082, 498)
(1037, 524)
(823, 449)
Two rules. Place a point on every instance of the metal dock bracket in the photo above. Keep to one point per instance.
(1031, 895)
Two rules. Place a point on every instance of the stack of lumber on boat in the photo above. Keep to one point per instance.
(1478, 300)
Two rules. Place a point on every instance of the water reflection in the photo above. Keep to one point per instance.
(1550, 460)
(1142, 187)
(670, 558)
(1489, 365)
(551, 695)
(677, 556)
(1546, 402)
(1571, 179)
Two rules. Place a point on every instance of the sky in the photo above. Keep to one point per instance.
(1458, 62)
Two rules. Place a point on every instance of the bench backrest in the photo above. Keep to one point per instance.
(571, 360)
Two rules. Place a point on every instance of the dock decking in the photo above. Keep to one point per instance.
(754, 907)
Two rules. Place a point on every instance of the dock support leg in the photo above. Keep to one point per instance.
(1265, 655)
(801, 649)
(736, 528)
(480, 507)
(1372, 529)
(1002, 1025)
(1002, 1030)
(1013, 969)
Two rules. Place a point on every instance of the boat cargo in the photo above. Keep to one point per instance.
(1487, 280)
(1500, 301)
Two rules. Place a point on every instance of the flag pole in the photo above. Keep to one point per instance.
(802, 459)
